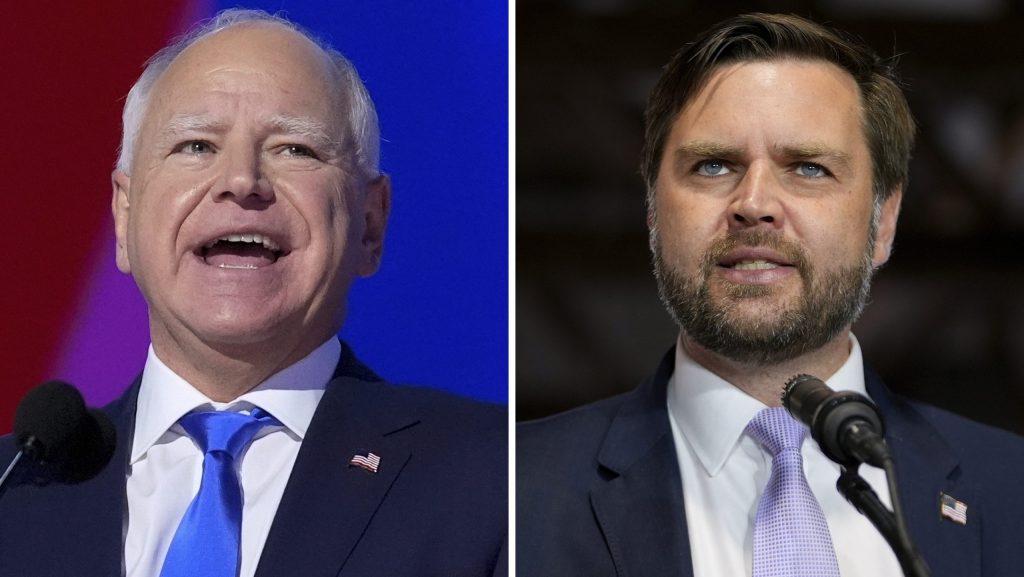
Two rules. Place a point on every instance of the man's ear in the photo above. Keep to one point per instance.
(887, 227)
(376, 208)
(121, 207)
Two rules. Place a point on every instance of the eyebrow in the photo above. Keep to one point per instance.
(312, 130)
(707, 148)
(182, 123)
(813, 151)
(808, 151)
(307, 128)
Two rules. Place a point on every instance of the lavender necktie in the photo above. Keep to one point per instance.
(791, 538)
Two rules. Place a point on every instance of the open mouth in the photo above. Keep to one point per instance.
(754, 265)
(241, 251)
(755, 261)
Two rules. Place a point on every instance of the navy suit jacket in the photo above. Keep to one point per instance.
(598, 490)
(438, 504)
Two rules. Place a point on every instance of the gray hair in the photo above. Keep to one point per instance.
(361, 120)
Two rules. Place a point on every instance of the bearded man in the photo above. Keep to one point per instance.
(776, 156)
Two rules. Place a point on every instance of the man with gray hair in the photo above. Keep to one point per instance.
(247, 198)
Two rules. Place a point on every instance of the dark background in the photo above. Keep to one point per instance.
(946, 321)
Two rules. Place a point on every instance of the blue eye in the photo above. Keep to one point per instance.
(811, 170)
(712, 168)
(299, 150)
(194, 147)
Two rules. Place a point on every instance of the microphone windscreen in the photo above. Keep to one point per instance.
(55, 429)
(803, 396)
(47, 421)
(829, 415)
(92, 448)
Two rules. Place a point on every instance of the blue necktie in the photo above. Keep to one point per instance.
(207, 542)
(791, 536)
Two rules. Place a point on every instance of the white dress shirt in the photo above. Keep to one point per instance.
(724, 472)
(166, 465)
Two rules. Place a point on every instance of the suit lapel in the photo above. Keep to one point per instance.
(328, 502)
(927, 467)
(639, 501)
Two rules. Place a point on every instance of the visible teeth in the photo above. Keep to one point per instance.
(242, 266)
(754, 265)
(251, 238)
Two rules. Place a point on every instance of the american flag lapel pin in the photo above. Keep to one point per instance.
(365, 460)
(952, 509)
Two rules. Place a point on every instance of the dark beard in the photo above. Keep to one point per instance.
(830, 302)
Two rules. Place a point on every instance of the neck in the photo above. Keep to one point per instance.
(766, 383)
(222, 379)
(224, 373)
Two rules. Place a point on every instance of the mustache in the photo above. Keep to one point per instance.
(722, 246)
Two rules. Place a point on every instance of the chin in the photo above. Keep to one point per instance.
(239, 325)
(758, 308)
(250, 336)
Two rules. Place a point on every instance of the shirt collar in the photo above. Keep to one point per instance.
(290, 395)
(712, 414)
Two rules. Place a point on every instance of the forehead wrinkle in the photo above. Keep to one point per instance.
(238, 80)
(233, 68)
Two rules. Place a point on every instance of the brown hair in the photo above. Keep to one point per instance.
(888, 124)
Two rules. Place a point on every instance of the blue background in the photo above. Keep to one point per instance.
(437, 312)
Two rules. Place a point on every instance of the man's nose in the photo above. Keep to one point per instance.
(757, 200)
(243, 179)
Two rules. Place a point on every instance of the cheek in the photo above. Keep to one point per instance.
(686, 227)
(326, 213)
(159, 216)
(838, 234)
(166, 208)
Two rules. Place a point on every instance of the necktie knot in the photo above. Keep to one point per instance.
(791, 535)
(222, 431)
(776, 430)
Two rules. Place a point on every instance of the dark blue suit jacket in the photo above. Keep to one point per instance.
(438, 504)
(598, 491)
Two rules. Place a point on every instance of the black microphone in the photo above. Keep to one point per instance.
(54, 428)
(845, 424)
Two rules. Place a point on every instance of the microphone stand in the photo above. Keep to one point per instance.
(10, 468)
(889, 523)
